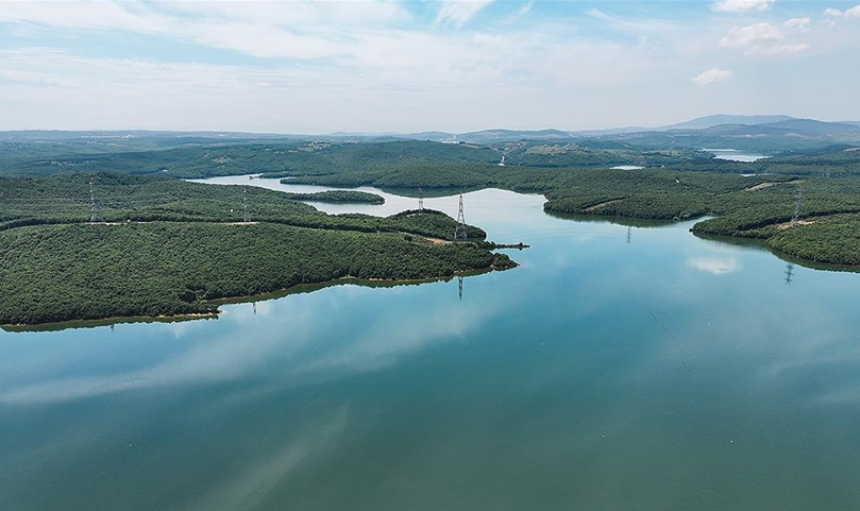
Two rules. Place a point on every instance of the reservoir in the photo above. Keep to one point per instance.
(618, 368)
(734, 155)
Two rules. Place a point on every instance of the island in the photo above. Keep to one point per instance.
(336, 196)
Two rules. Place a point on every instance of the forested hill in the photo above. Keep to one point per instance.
(165, 247)
(33, 159)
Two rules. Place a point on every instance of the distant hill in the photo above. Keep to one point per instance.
(801, 128)
(609, 131)
(767, 138)
(498, 135)
(710, 121)
(429, 135)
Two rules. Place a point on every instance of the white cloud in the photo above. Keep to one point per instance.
(371, 61)
(752, 35)
(460, 12)
(781, 49)
(742, 6)
(853, 12)
(800, 24)
(713, 75)
(765, 38)
(524, 10)
(259, 29)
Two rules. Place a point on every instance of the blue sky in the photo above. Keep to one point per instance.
(408, 66)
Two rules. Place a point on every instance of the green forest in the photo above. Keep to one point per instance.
(171, 246)
(165, 247)
(337, 196)
(91, 271)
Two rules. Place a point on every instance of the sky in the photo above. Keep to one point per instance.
(377, 66)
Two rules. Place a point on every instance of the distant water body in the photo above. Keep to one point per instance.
(735, 155)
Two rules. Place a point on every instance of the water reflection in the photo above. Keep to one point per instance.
(716, 265)
(789, 272)
(290, 332)
(678, 373)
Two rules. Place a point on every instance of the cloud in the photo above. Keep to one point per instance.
(781, 49)
(446, 63)
(742, 6)
(524, 10)
(303, 30)
(853, 12)
(765, 38)
(752, 35)
(459, 12)
(800, 24)
(713, 75)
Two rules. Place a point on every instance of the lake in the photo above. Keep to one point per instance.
(735, 155)
(618, 368)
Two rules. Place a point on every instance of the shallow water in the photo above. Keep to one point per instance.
(617, 368)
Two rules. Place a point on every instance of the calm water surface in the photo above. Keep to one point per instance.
(735, 155)
(617, 369)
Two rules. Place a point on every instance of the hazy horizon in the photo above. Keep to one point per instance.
(408, 67)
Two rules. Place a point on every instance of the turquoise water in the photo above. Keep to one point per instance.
(619, 368)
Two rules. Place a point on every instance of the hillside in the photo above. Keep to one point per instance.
(798, 128)
(165, 247)
(710, 121)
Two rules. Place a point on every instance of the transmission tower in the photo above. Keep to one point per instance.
(789, 273)
(95, 205)
(629, 233)
(180, 194)
(460, 287)
(796, 216)
(246, 216)
(420, 199)
(460, 230)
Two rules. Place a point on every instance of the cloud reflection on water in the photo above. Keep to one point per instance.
(716, 265)
(306, 339)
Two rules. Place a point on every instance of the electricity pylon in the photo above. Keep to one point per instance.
(246, 216)
(460, 230)
(796, 216)
(95, 205)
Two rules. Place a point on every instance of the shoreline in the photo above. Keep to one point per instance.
(236, 300)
